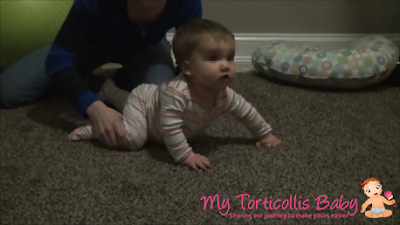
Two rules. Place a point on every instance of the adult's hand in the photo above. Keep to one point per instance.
(107, 125)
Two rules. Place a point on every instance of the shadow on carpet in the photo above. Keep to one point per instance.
(333, 141)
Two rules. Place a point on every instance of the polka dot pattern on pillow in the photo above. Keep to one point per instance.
(364, 62)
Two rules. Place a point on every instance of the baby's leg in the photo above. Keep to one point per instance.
(81, 133)
(370, 214)
(135, 128)
(134, 117)
(109, 92)
(386, 213)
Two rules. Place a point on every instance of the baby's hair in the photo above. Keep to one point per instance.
(188, 36)
(369, 180)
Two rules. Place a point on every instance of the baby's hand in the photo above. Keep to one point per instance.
(269, 141)
(197, 162)
(362, 211)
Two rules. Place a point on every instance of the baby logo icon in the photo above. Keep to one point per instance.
(372, 188)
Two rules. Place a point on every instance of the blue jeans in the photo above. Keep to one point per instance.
(26, 81)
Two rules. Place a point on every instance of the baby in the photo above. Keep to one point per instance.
(373, 189)
(178, 110)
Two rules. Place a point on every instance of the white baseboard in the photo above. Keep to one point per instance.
(247, 43)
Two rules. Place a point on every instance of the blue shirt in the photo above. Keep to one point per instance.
(102, 27)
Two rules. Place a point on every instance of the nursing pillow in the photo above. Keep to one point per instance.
(364, 62)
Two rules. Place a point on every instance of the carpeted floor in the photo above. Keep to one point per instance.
(332, 142)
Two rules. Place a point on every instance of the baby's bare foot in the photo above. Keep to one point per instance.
(375, 216)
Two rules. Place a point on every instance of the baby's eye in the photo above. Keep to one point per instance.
(231, 58)
(377, 186)
(368, 191)
(213, 58)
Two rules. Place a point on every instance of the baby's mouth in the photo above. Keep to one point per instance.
(224, 77)
(375, 193)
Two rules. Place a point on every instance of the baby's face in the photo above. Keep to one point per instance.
(212, 63)
(373, 189)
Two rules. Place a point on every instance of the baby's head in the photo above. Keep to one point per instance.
(205, 51)
(372, 187)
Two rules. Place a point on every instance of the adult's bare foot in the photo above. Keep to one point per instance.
(103, 93)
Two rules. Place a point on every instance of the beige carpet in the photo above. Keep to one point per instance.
(333, 141)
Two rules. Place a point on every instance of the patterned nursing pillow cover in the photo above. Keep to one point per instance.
(364, 62)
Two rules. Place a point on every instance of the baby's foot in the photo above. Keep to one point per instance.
(81, 133)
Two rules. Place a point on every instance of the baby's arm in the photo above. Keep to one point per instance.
(365, 205)
(387, 202)
(243, 111)
(172, 107)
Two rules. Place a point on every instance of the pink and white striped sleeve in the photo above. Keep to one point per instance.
(172, 107)
(243, 111)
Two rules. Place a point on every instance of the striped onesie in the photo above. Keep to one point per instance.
(171, 113)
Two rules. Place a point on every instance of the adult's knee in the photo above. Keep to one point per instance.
(25, 80)
(8, 96)
(157, 73)
(11, 97)
(20, 91)
(160, 73)
(14, 95)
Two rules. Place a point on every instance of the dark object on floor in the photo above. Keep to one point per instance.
(332, 142)
(394, 79)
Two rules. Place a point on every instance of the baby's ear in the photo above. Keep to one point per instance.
(186, 68)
